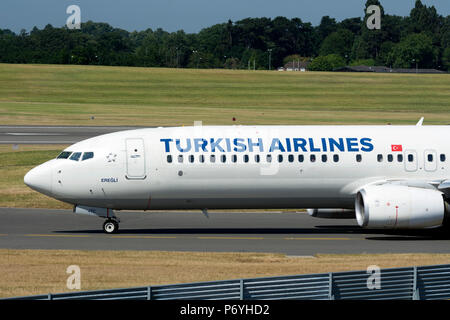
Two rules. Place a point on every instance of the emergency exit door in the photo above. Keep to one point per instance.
(430, 160)
(135, 159)
(410, 160)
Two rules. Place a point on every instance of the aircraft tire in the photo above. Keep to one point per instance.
(110, 226)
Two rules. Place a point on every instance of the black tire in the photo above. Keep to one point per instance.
(110, 226)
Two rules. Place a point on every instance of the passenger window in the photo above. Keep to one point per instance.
(313, 158)
(75, 156)
(291, 158)
(390, 158)
(212, 158)
(64, 155)
(169, 158)
(246, 158)
(358, 158)
(336, 158)
(269, 158)
(191, 158)
(442, 157)
(380, 158)
(234, 158)
(280, 158)
(257, 158)
(301, 158)
(223, 158)
(180, 158)
(410, 158)
(430, 158)
(202, 158)
(324, 158)
(400, 158)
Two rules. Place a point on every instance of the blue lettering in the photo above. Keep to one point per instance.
(351, 144)
(276, 145)
(339, 145)
(299, 143)
(254, 144)
(166, 144)
(249, 144)
(215, 144)
(239, 142)
(288, 144)
(200, 143)
(188, 145)
(367, 145)
(311, 146)
(227, 140)
(324, 145)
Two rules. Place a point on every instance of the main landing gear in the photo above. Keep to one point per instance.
(111, 226)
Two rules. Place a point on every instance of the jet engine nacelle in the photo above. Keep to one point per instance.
(399, 207)
(332, 213)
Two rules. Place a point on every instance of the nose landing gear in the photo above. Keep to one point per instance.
(111, 226)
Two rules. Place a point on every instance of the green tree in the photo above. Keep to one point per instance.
(339, 42)
(327, 63)
(446, 58)
(425, 19)
(415, 49)
(368, 46)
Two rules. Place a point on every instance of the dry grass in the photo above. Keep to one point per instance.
(28, 272)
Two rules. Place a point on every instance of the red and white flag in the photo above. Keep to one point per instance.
(396, 147)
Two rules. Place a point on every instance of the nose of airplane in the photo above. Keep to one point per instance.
(40, 179)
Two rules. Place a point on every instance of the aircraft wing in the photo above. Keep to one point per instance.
(440, 185)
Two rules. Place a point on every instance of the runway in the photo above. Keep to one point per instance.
(53, 134)
(290, 233)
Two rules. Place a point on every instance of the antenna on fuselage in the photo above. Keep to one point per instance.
(420, 123)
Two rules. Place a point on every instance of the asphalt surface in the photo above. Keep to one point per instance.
(290, 233)
(52, 134)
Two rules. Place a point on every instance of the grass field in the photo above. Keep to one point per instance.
(14, 164)
(27, 272)
(57, 94)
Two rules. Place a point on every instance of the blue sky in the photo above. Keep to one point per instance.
(189, 15)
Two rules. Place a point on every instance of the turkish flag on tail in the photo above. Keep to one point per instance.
(396, 147)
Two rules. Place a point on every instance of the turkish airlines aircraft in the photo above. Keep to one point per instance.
(392, 177)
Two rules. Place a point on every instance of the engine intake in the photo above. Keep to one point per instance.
(399, 207)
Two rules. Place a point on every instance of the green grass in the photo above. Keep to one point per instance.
(13, 167)
(56, 94)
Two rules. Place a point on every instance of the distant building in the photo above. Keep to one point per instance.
(382, 69)
(296, 65)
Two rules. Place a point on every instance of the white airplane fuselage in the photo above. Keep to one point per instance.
(243, 166)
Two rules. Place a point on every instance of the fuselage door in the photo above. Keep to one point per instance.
(410, 160)
(135, 159)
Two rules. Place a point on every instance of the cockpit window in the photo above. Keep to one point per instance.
(75, 156)
(64, 155)
(87, 155)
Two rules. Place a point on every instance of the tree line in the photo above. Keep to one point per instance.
(421, 39)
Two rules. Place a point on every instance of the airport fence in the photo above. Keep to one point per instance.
(411, 283)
